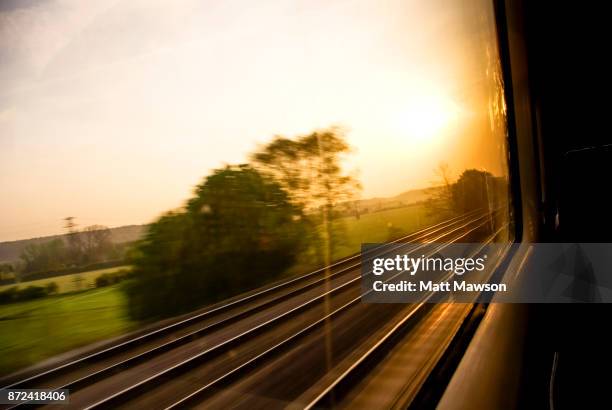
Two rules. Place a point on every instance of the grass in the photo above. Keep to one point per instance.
(35, 330)
(69, 283)
(373, 227)
(380, 226)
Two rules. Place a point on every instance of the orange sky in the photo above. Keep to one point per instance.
(112, 111)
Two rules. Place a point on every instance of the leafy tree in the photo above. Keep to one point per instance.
(474, 189)
(239, 230)
(309, 167)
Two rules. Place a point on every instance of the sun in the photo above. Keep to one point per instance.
(426, 117)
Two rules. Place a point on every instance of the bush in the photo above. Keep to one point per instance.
(14, 294)
(9, 295)
(111, 278)
(31, 292)
(52, 288)
(72, 269)
(105, 279)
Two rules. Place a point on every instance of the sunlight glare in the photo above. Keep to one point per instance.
(426, 117)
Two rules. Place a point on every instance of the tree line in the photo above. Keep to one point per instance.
(78, 248)
(473, 189)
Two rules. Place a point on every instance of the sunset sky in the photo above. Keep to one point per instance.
(112, 111)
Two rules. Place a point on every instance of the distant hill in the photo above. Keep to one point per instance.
(10, 251)
(405, 198)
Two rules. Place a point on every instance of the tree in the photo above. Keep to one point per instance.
(440, 203)
(96, 243)
(309, 168)
(239, 230)
(474, 189)
(46, 256)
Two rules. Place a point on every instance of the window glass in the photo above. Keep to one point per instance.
(158, 157)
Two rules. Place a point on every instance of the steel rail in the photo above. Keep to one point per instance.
(118, 397)
(380, 343)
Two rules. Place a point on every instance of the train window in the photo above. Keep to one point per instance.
(197, 179)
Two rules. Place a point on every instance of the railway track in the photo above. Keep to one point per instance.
(224, 314)
(266, 384)
(227, 340)
(371, 378)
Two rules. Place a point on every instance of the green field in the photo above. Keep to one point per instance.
(35, 330)
(374, 227)
(381, 226)
(69, 283)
